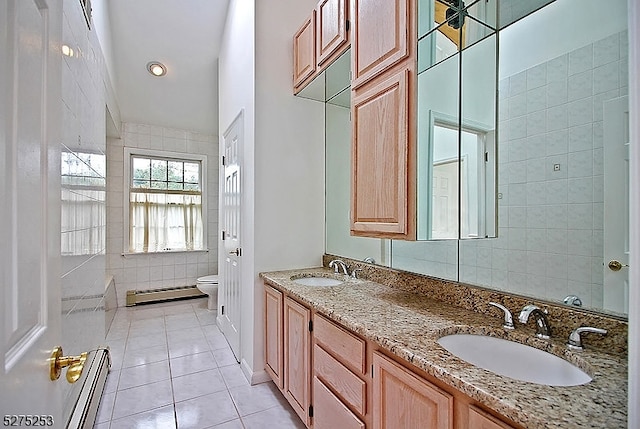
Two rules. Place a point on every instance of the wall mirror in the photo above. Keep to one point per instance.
(561, 193)
(457, 90)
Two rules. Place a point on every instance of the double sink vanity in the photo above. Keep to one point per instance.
(474, 176)
(353, 353)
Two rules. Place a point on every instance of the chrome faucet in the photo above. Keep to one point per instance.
(575, 342)
(338, 263)
(543, 330)
(508, 319)
(573, 300)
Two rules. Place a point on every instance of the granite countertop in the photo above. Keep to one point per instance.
(408, 326)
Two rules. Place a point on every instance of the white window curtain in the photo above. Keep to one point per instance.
(165, 221)
(83, 221)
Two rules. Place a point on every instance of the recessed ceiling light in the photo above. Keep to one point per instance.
(156, 68)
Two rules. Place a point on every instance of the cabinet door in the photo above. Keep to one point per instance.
(329, 412)
(380, 36)
(273, 340)
(331, 29)
(381, 174)
(478, 419)
(297, 361)
(403, 400)
(304, 51)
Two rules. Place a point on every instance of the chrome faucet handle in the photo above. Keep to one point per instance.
(508, 319)
(575, 341)
(573, 300)
(336, 264)
(354, 273)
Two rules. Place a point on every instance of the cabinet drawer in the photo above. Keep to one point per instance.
(348, 385)
(329, 412)
(478, 419)
(349, 348)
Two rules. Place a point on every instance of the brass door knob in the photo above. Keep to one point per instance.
(616, 265)
(75, 363)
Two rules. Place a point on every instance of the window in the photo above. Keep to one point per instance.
(165, 201)
(83, 207)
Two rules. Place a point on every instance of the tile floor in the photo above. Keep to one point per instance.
(173, 368)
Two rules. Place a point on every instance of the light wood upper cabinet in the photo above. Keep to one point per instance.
(382, 172)
(297, 358)
(304, 51)
(403, 400)
(273, 339)
(331, 31)
(381, 36)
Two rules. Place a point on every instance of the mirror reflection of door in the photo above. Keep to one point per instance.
(445, 199)
(616, 205)
(458, 184)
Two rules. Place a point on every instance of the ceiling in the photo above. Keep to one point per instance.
(184, 35)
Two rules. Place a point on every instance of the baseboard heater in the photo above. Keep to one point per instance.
(84, 413)
(135, 297)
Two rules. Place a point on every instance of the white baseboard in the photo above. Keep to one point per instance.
(252, 377)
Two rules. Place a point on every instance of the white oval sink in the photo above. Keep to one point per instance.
(514, 360)
(317, 281)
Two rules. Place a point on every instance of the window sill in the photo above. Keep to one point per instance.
(164, 252)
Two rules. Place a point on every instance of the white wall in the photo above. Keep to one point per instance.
(560, 27)
(283, 156)
(289, 157)
(102, 27)
(236, 92)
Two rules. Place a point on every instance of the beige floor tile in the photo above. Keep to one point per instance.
(192, 363)
(157, 418)
(205, 411)
(197, 384)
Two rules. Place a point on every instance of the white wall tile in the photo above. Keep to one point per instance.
(537, 76)
(580, 60)
(557, 92)
(581, 164)
(580, 190)
(580, 85)
(518, 105)
(536, 99)
(556, 142)
(517, 84)
(557, 69)
(557, 118)
(580, 216)
(556, 191)
(580, 242)
(580, 112)
(580, 137)
(606, 50)
(536, 123)
(606, 78)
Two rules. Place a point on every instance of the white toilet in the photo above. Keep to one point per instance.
(209, 285)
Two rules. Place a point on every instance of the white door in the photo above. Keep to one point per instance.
(231, 249)
(445, 200)
(616, 204)
(30, 195)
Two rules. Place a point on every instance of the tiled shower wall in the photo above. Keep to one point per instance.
(551, 220)
(158, 270)
(83, 215)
